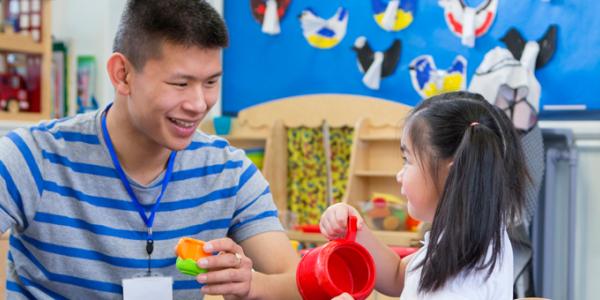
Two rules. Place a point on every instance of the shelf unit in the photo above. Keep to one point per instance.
(391, 238)
(20, 43)
(375, 160)
(375, 157)
(271, 136)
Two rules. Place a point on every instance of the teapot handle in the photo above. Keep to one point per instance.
(351, 230)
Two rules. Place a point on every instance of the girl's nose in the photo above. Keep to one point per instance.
(399, 176)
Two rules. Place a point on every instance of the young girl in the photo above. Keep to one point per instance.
(464, 173)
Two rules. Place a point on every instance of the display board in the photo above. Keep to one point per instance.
(260, 67)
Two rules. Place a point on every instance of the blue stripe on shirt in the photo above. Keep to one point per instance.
(40, 287)
(93, 200)
(28, 156)
(97, 256)
(221, 194)
(215, 144)
(130, 234)
(127, 205)
(237, 212)
(265, 214)
(13, 191)
(14, 287)
(112, 173)
(72, 136)
(79, 167)
(250, 171)
(49, 125)
(186, 285)
(69, 136)
(66, 279)
(204, 171)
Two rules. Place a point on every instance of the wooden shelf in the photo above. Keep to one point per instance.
(246, 142)
(25, 117)
(391, 238)
(380, 138)
(370, 173)
(20, 43)
(244, 138)
(24, 43)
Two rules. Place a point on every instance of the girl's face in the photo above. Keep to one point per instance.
(417, 185)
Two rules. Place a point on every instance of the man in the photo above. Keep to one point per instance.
(97, 202)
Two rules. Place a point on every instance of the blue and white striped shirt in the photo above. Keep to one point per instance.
(75, 231)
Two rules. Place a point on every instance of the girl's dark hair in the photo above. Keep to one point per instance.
(484, 190)
(146, 24)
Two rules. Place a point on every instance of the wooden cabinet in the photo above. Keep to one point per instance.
(375, 160)
(375, 157)
(11, 42)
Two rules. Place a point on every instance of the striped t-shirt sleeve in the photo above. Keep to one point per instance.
(20, 180)
(255, 211)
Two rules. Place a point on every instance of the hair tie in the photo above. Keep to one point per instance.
(473, 124)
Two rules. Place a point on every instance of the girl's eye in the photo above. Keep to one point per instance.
(404, 159)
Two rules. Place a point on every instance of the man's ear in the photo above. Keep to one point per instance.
(119, 71)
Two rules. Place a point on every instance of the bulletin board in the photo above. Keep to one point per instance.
(260, 67)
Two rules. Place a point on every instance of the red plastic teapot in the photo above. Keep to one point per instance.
(340, 266)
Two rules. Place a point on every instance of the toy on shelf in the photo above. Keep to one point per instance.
(309, 228)
(13, 87)
(189, 251)
(86, 84)
(388, 212)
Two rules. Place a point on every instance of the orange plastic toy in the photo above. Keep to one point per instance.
(189, 251)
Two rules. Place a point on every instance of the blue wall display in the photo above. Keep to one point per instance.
(260, 68)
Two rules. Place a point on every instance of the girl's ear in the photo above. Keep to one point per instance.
(119, 69)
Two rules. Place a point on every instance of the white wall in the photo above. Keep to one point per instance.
(90, 26)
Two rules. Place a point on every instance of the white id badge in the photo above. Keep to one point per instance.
(144, 288)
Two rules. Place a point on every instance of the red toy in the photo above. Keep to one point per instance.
(337, 267)
(13, 88)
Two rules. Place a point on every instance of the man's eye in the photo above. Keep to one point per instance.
(178, 84)
(212, 82)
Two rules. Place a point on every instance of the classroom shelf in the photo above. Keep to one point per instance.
(380, 138)
(12, 42)
(20, 43)
(373, 173)
(390, 238)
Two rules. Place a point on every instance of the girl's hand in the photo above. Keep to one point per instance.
(334, 220)
(343, 296)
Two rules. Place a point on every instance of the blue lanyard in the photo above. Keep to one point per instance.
(147, 220)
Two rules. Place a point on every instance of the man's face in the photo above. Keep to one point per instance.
(172, 94)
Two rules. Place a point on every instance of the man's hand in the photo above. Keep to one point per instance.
(229, 272)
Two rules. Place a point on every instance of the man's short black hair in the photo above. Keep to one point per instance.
(147, 24)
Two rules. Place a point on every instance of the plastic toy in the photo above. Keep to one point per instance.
(189, 251)
(13, 88)
(385, 212)
(337, 267)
